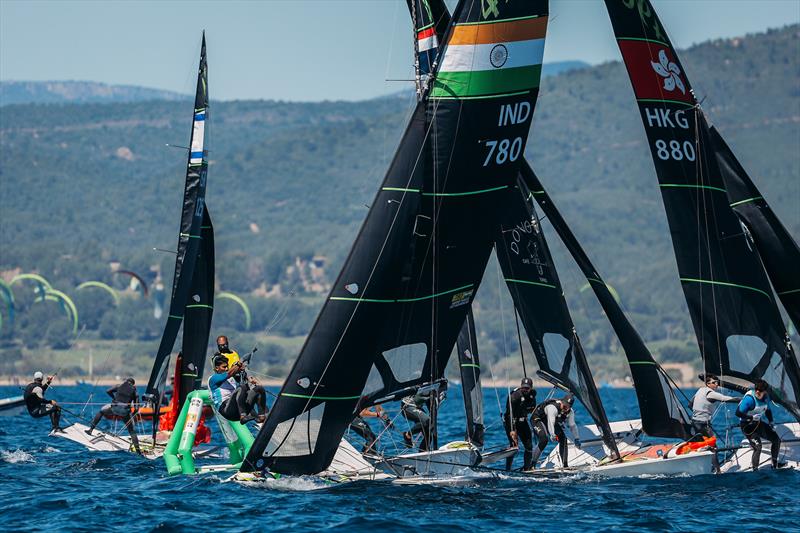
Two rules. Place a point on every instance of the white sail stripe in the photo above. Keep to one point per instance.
(476, 57)
(427, 43)
(198, 135)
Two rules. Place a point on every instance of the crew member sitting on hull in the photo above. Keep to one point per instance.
(232, 400)
(520, 403)
(123, 397)
(703, 407)
(755, 414)
(548, 421)
(36, 403)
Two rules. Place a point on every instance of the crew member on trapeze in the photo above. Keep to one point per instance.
(755, 414)
(123, 401)
(548, 423)
(38, 406)
(703, 408)
(236, 400)
(520, 403)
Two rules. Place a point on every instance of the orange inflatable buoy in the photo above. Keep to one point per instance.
(687, 447)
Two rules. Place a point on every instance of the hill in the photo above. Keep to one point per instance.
(59, 92)
(289, 182)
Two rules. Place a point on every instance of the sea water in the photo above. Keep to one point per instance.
(52, 484)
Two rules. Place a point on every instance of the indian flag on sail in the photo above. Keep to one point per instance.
(495, 58)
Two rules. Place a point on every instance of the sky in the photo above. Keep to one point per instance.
(301, 50)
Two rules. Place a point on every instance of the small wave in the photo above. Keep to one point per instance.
(50, 449)
(16, 456)
(291, 483)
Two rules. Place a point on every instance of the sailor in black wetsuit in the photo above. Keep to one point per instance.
(548, 420)
(519, 405)
(122, 398)
(362, 428)
(36, 403)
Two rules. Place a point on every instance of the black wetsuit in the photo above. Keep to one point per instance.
(519, 405)
(539, 422)
(122, 397)
(244, 402)
(362, 428)
(412, 409)
(38, 406)
(757, 429)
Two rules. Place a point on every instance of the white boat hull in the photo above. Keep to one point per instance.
(100, 441)
(741, 461)
(453, 459)
(690, 464)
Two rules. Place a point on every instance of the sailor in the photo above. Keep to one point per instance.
(548, 422)
(234, 401)
(755, 414)
(703, 410)
(413, 409)
(123, 400)
(224, 349)
(36, 403)
(520, 403)
(360, 426)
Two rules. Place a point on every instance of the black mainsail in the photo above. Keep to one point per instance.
(735, 316)
(402, 296)
(470, 366)
(662, 412)
(778, 250)
(192, 298)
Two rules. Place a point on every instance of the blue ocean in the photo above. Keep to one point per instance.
(55, 485)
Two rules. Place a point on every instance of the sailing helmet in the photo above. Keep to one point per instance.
(526, 383)
(569, 399)
(38, 376)
(131, 381)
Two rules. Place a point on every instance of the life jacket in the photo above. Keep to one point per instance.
(32, 401)
(232, 357)
(760, 408)
(540, 414)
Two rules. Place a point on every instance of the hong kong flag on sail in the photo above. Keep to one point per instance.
(654, 71)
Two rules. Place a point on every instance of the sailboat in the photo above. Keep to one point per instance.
(393, 316)
(532, 280)
(728, 243)
(191, 302)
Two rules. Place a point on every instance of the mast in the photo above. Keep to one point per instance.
(192, 286)
(404, 290)
(431, 20)
(736, 320)
(662, 412)
(532, 280)
(470, 366)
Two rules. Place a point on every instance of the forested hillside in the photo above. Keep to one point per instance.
(82, 185)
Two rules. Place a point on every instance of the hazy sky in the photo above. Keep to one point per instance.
(300, 49)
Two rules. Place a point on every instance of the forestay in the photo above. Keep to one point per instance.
(735, 317)
(395, 311)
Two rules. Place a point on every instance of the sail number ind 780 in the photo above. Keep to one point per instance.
(503, 150)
